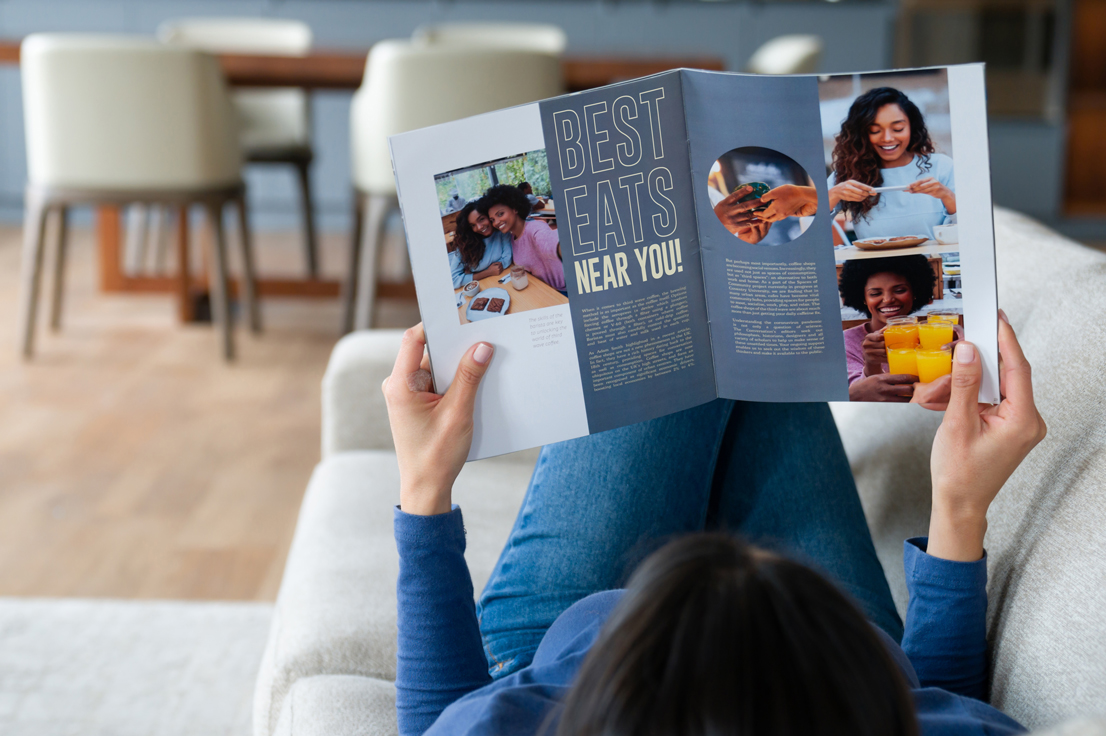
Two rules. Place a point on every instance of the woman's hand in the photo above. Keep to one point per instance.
(935, 189)
(933, 395)
(884, 387)
(736, 215)
(849, 191)
(432, 433)
(789, 200)
(754, 232)
(978, 446)
(875, 352)
(493, 270)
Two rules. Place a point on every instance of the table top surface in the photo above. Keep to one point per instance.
(536, 295)
(345, 68)
(930, 247)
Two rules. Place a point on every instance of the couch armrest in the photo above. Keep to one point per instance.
(354, 413)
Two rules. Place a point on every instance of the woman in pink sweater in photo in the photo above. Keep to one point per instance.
(536, 246)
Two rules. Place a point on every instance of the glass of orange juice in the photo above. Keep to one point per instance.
(932, 364)
(950, 317)
(902, 361)
(901, 332)
(933, 335)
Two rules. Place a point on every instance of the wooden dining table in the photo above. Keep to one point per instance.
(536, 295)
(322, 70)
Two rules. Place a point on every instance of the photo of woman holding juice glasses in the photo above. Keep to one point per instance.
(884, 145)
(887, 355)
(535, 246)
(479, 250)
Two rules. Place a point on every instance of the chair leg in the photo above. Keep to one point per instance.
(59, 268)
(349, 286)
(34, 237)
(220, 312)
(249, 276)
(303, 167)
(379, 205)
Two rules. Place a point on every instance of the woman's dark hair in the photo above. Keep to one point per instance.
(469, 243)
(853, 155)
(508, 195)
(714, 637)
(855, 274)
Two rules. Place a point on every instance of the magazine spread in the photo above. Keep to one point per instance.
(639, 249)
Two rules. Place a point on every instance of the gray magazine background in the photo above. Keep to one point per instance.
(661, 395)
(727, 111)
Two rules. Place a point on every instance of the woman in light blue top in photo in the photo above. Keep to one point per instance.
(884, 143)
(479, 250)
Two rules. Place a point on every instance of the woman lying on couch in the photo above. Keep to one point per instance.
(711, 635)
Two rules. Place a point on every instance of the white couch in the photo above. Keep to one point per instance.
(330, 660)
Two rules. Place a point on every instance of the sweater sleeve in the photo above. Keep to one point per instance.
(946, 620)
(457, 269)
(440, 655)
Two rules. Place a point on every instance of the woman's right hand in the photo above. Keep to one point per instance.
(432, 433)
(849, 191)
(734, 214)
(978, 446)
(883, 387)
(875, 352)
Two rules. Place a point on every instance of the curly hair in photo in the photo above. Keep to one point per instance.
(855, 158)
(468, 243)
(505, 194)
(915, 269)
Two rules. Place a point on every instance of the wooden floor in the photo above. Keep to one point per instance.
(134, 463)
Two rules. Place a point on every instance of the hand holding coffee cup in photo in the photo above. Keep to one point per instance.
(519, 278)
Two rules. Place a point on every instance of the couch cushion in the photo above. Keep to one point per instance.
(339, 705)
(355, 416)
(336, 610)
(1045, 543)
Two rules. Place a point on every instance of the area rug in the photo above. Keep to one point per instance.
(149, 668)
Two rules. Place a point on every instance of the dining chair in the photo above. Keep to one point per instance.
(119, 120)
(529, 36)
(409, 85)
(790, 54)
(275, 124)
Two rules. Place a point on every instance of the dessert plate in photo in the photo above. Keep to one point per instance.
(488, 303)
(899, 241)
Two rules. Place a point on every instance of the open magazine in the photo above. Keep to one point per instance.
(642, 248)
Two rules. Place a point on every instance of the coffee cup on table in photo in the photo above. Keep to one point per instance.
(519, 278)
(471, 289)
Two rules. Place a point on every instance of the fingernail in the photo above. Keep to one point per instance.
(965, 353)
(1003, 317)
(482, 353)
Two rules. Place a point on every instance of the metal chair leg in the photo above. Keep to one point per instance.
(379, 205)
(249, 276)
(34, 237)
(303, 167)
(349, 286)
(59, 268)
(220, 311)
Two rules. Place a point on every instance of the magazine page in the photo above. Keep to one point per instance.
(886, 252)
(771, 287)
(908, 175)
(484, 254)
(618, 165)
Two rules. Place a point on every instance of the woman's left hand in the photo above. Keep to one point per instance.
(432, 433)
(936, 189)
(754, 232)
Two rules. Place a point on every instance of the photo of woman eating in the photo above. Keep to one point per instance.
(479, 250)
(884, 289)
(887, 176)
(535, 245)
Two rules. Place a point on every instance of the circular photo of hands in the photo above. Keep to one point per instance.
(762, 196)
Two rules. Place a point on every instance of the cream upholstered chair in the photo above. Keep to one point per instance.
(410, 85)
(529, 36)
(792, 54)
(275, 124)
(122, 120)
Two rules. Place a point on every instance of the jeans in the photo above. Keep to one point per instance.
(776, 474)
